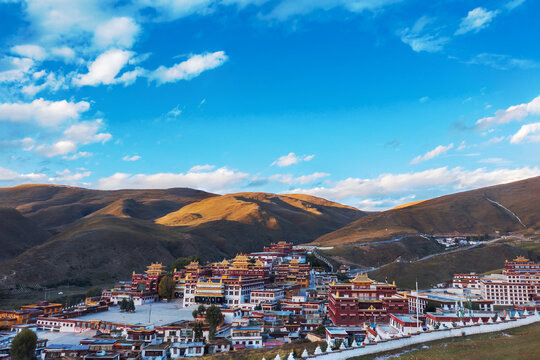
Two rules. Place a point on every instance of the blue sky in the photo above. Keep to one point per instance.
(371, 103)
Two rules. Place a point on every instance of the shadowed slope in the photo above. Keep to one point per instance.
(18, 233)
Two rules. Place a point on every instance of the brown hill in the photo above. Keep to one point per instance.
(53, 207)
(18, 234)
(296, 217)
(505, 208)
(104, 235)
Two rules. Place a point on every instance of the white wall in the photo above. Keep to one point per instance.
(426, 337)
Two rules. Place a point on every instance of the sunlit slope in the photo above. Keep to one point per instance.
(504, 208)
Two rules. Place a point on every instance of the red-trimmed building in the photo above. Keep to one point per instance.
(361, 300)
(241, 265)
(293, 272)
(149, 281)
(280, 247)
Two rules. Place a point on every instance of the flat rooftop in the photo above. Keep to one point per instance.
(159, 313)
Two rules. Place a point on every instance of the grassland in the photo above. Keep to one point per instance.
(437, 269)
(520, 343)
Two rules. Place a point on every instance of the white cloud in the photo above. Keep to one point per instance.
(118, 32)
(494, 140)
(52, 82)
(131, 158)
(503, 62)
(476, 20)
(190, 68)
(439, 150)
(289, 8)
(104, 69)
(423, 99)
(527, 133)
(512, 4)
(45, 112)
(10, 175)
(198, 168)
(14, 68)
(86, 132)
(63, 52)
(495, 161)
(423, 37)
(78, 155)
(383, 204)
(355, 189)
(67, 176)
(291, 159)
(26, 143)
(513, 113)
(304, 179)
(219, 180)
(175, 112)
(31, 51)
(61, 147)
(462, 146)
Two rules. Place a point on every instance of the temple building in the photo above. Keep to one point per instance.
(241, 265)
(222, 290)
(281, 247)
(363, 300)
(521, 265)
(149, 281)
(193, 270)
(293, 272)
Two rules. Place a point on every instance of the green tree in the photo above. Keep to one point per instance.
(197, 330)
(213, 318)
(278, 306)
(131, 306)
(23, 346)
(257, 307)
(201, 309)
(124, 305)
(320, 330)
(195, 313)
(166, 287)
(430, 307)
(252, 260)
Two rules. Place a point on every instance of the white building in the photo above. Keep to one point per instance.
(248, 337)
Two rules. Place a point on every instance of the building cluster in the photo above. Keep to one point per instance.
(275, 297)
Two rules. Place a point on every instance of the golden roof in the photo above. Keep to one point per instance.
(362, 278)
(155, 269)
(521, 259)
(259, 263)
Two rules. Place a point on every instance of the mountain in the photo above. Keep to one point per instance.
(504, 208)
(100, 236)
(54, 207)
(303, 216)
(18, 233)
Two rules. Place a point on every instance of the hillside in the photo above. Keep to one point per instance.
(304, 216)
(505, 208)
(18, 233)
(105, 235)
(53, 207)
